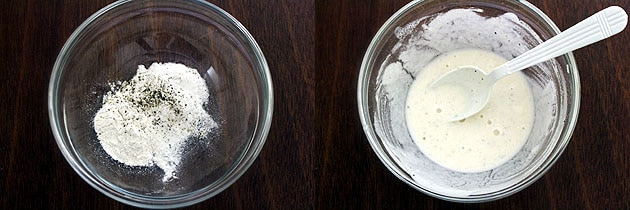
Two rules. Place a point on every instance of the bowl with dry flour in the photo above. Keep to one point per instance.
(160, 104)
(495, 153)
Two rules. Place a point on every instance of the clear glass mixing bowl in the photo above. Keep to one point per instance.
(382, 92)
(109, 46)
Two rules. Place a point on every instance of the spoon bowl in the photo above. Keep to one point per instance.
(474, 81)
(478, 83)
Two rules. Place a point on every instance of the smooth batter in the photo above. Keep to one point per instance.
(481, 142)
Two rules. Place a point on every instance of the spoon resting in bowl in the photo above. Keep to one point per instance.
(597, 27)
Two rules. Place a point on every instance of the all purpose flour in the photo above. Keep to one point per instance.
(146, 120)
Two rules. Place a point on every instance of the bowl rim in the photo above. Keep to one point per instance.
(251, 151)
(393, 167)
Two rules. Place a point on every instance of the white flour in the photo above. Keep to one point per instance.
(146, 120)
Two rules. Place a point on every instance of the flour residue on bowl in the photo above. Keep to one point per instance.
(147, 120)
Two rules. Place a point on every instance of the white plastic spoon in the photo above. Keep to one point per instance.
(599, 26)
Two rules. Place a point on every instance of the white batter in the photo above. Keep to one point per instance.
(481, 142)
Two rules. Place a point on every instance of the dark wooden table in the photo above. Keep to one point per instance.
(316, 155)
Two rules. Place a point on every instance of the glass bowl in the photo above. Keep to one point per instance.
(423, 30)
(109, 46)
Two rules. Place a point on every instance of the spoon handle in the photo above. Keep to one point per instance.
(599, 26)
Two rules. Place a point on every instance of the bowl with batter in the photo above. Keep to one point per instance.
(160, 103)
(499, 151)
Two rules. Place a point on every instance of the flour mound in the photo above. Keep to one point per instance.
(145, 121)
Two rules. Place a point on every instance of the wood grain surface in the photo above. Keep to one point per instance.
(316, 155)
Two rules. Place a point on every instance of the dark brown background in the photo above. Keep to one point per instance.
(316, 155)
